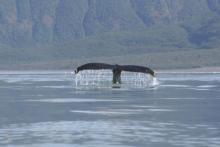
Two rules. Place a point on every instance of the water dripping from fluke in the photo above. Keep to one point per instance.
(103, 79)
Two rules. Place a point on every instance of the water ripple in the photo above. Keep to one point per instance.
(111, 132)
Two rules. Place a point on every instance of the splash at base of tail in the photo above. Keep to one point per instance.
(155, 82)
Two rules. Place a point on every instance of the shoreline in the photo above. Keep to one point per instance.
(192, 70)
(159, 71)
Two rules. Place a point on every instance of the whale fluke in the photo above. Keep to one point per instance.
(116, 69)
(93, 66)
(135, 68)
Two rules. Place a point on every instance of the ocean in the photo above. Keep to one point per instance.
(55, 109)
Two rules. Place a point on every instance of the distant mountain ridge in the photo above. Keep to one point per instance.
(38, 30)
(25, 22)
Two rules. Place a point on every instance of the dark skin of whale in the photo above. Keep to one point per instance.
(116, 69)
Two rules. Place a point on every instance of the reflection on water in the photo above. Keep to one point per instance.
(72, 100)
(48, 110)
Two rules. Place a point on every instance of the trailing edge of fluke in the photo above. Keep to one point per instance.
(116, 69)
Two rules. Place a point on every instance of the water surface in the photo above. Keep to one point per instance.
(47, 109)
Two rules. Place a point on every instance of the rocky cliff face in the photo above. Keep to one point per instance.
(32, 22)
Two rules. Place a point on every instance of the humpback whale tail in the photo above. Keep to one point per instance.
(116, 69)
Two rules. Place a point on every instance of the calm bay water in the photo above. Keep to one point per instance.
(48, 110)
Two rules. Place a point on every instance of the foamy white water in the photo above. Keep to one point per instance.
(103, 78)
